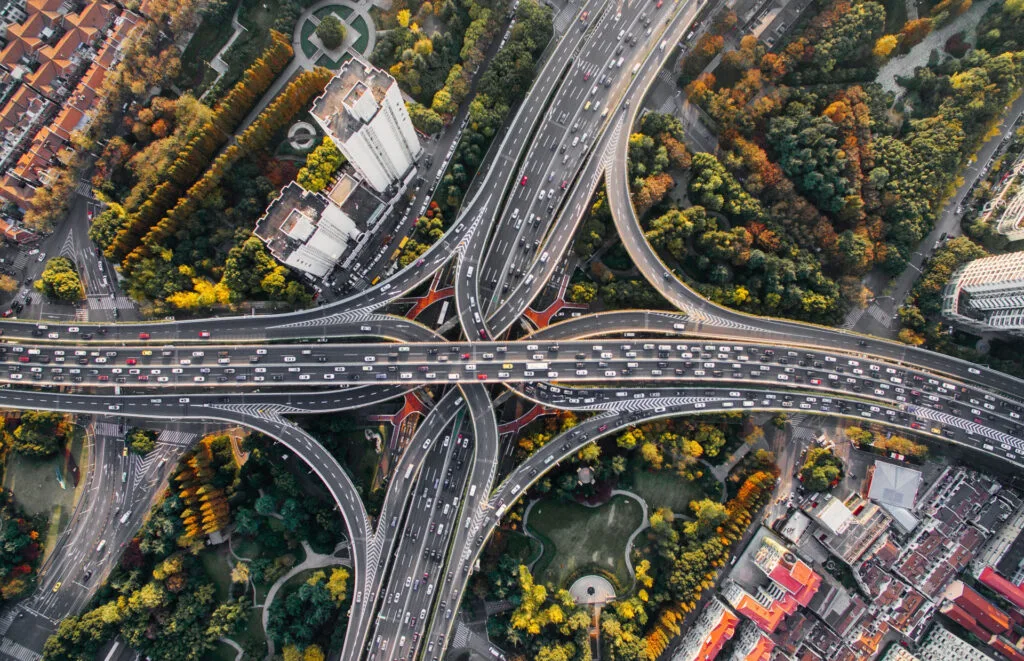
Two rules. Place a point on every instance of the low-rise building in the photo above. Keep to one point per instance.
(715, 626)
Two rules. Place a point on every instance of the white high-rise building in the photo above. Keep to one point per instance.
(987, 294)
(363, 111)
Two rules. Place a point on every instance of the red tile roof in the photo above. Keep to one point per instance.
(720, 633)
(964, 619)
(1003, 587)
(981, 609)
(762, 650)
(1002, 646)
(66, 121)
(13, 51)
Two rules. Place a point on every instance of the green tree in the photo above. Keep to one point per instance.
(141, 441)
(821, 469)
(331, 31)
(60, 280)
(39, 433)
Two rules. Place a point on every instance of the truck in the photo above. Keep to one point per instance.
(536, 366)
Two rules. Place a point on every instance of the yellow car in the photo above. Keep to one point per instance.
(147, 352)
(506, 366)
(56, 586)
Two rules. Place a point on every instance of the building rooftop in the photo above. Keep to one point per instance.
(290, 219)
(894, 485)
(984, 612)
(1012, 593)
(344, 106)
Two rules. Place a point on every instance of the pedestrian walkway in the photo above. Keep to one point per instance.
(880, 315)
(119, 302)
(12, 650)
(852, 317)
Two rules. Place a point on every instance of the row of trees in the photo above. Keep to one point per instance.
(505, 82)
(165, 185)
(887, 442)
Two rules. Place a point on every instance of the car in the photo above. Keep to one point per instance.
(143, 336)
(481, 377)
(522, 182)
(564, 183)
(204, 335)
(660, 3)
(56, 586)
(465, 356)
(586, 76)
(131, 361)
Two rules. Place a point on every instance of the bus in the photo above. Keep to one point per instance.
(395, 254)
(408, 472)
(536, 366)
(402, 243)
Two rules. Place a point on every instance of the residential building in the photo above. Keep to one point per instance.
(987, 295)
(308, 232)
(363, 112)
(897, 653)
(751, 644)
(942, 645)
(715, 626)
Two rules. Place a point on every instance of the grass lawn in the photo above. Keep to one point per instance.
(341, 10)
(215, 563)
(666, 489)
(360, 44)
(333, 65)
(575, 536)
(223, 652)
(307, 31)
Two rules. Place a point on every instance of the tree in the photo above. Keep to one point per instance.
(582, 292)
(885, 45)
(141, 441)
(821, 470)
(331, 32)
(60, 280)
(8, 284)
(321, 164)
(240, 573)
(39, 433)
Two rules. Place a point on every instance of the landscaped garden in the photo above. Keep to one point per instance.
(576, 537)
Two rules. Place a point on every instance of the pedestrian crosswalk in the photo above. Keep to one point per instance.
(564, 18)
(5, 621)
(84, 189)
(13, 650)
(119, 302)
(880, 315)
(20, 260)
(180, 438)
(461, 636)
(107, 429)
(852, 317)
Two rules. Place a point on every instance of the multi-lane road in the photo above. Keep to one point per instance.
(412, 564)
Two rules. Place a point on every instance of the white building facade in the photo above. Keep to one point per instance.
(363, 112)
(987, 294)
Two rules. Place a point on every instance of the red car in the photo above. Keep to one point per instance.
(660, 3)
(586, 76)
(23, 359)
(204, 335)
(483, 334)
(522, 182)
(131, 361)
(465, 356)
(103, 377)
(481, 377)
(143, 336)
(564, 184)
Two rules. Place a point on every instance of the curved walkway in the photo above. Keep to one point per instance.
(629, 542)
(313, 560)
